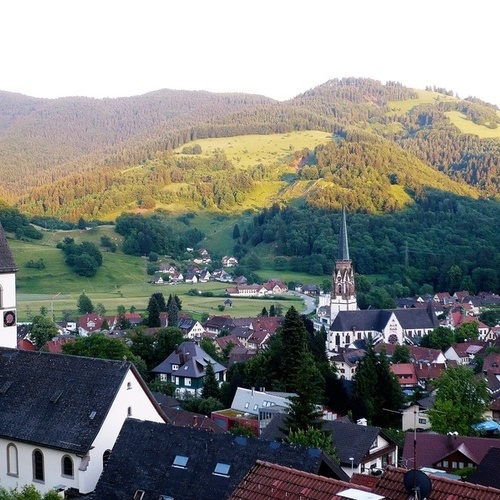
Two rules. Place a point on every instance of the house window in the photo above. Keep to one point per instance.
(138, 495)
(247, 404)
(453, 465)
(446, 463)
(175, 368)
(129, 411)
(12, 462)
(180, 462)
(255, 407)
(129, 385)
(187, 381)
(222, 469)
(163, 377)
(67, 466)
(1, 296)
(422, 421)
(38, 470)
(374, 444)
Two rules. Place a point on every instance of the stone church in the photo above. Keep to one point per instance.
(347, 326)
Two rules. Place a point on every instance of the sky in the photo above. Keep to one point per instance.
(277, 48)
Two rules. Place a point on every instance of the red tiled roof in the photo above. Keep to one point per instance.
(390, 485)
(266, 480)
(405, 373)
(25, 345)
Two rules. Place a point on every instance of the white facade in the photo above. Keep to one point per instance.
(131, 400)
(8, 313)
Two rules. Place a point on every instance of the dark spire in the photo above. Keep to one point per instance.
(343, 244)
(7, 264)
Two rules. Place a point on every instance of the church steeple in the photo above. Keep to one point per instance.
(343, 243)
(343, 294)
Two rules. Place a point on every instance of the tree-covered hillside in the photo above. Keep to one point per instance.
(77, 156)
(443, 242)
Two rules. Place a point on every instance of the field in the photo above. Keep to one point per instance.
(122, 280)
(249, 150)
(469, 127)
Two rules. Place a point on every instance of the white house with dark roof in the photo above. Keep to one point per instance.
(60, 416)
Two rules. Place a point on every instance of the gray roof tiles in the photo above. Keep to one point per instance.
(56, 400)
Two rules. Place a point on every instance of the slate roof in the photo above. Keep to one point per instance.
(267, 480)
(48, 399)
(191, 359)
(7, 264)
(377, 319)
(431, 448)
(184, 418)
(350, 440)
(390, 485)
(144, 454)
(486, 473)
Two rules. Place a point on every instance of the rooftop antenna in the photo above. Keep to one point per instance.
(415, 481)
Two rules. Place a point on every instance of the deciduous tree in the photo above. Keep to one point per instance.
(461, 401)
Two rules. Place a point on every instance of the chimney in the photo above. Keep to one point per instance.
(195, 420)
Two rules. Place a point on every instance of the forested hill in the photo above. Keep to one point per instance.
(79, 156)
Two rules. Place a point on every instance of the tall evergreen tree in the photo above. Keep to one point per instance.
(153, 320)
(236, 232)
(210, 384)
(160, 299)
(173, 313)
(377, 389)
(294, 344)
(309, 388)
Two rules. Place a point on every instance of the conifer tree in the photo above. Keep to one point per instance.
(210, 384)
(294, 345)
(153, 313)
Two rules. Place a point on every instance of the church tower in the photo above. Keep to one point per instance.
(343, 294)
(8, 269)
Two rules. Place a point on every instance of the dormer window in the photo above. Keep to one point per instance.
(175, 367)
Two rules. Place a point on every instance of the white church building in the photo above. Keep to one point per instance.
(60, 415)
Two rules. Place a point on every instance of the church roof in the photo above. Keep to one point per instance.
(7, 264)
(49, 400)
(343, 243)
(377, 319)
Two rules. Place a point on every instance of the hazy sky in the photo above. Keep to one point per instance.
(112, 48)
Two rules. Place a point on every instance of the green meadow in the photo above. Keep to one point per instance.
(122, 280)
(249, 150)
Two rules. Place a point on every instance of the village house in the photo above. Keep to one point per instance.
(190, 328)
(90, 323)
(60, 417)
(448, 452)
(463, 353)
(360, 448)
(194, 463)
(185, 368)
(252, 408)
(228, 261)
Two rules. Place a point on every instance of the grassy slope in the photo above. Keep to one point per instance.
(122, 280)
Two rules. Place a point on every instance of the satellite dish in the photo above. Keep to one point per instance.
(417, 479)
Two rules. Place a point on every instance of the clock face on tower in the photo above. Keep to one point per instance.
(9, 318)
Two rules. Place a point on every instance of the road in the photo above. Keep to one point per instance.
(308, 301)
